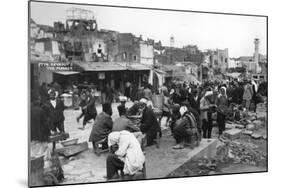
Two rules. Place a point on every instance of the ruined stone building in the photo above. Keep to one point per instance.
(218, 60)
(170, 55)
(98, 56)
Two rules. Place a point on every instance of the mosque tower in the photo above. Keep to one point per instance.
(256, 54)
(172, 41)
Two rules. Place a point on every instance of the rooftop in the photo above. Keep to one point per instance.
(111, 66)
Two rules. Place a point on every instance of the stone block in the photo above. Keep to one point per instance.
(58, 137)
(239, 126)
(73, 149)
(261, 116)
(233, 133)
(256, 136)
(258, 123)
(248, 121)
(251, 127)
(229, 126)
(247, 132)
(252, 118)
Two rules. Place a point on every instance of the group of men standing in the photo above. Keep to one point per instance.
(47, 115)
(205, 100)
(46, 119)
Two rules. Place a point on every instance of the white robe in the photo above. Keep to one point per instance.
(129, 151)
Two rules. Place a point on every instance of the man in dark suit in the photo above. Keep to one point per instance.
(39, 129)
(90, 108)
(54, 108)
(194, 99)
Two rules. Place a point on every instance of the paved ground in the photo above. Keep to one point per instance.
(71, 126)
(86, 167)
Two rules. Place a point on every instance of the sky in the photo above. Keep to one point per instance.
(207, 31)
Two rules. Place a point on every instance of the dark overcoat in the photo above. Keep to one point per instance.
(101, 128)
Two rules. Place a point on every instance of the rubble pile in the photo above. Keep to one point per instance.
(243, 143)
(202, 166)
(207, 166)
(241, 152)
(253, 124)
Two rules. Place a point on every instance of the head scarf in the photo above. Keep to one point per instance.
(149, 103)
(143, 100)
(123, 99)
(183, 110)
(208, 93)
(224, 88)
(113, 138)
(255, 85)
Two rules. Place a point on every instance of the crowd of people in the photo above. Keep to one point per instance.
(189, 109)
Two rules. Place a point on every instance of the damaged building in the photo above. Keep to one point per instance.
(97, 56)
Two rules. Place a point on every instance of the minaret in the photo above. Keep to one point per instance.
(256, 54)
(172, 41)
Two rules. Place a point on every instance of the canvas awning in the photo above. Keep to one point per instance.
(111, 66)
(100, 66)
(66, 73)
(36, 57)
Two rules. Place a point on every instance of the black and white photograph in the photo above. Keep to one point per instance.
(122, 93)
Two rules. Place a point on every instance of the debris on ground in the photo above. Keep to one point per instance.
(243, 143)
(242, 152)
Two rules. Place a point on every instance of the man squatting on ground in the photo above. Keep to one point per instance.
(185, 130)
(102, 126)
(126, 154)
